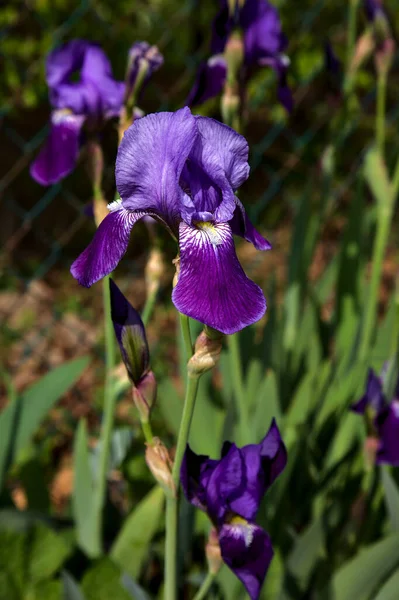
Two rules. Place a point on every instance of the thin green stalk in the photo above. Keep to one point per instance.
(147, 431)
(380, 244)
(149, 306)
(109, 408)
(380, 114)
(182, 439)
(395, 180)
(239, 390)
(205, 587)
(352, 26)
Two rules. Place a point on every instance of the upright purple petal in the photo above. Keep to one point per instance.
(210, 81)
(242, 226)
(387, 425)
(195, 472)
(130, 334)
(60, 152)
(64, 61)
(262, 30)
(212, 286)
(226, 480)
(150, 161)
(109, 244)
(247, 551)
(374, 396)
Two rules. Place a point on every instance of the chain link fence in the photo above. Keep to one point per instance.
(45, 317)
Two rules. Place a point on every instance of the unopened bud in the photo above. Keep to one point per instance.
(213, 553)
(234, 55)
(176, 262)
(143, 60)
(95, 164)
(384, 57)
(206, 354)
(153, 271)
(363, 50)
(160, 464)
(144, 395)
(370, 449)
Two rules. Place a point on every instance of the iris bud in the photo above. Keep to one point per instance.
(160, 464)
(153, 271)
(144, 395)
(207, 352)
(213, 553)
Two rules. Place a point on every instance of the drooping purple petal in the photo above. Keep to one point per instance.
(109, 244)
(212, 286)
(195, 472)
(150, 161)
(130, 334)
(60, 152)
(247, 551)
(242, 226)
(210, 80)
(387, 425)
(374, 396)
(263, 463)
(263, 36)
(280, 64)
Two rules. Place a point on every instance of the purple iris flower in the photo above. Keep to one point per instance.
(386, 418)
(264, 44)
(143, 55)
(86, 101)
(373, 9)
(230, 491)
(183, 171)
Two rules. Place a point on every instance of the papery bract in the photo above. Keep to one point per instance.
(230, 491)
(183, 171)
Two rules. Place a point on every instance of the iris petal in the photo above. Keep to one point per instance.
(247, 551)
(209, 82)
(195, 472)
(60, 152)
(150, 161)
(387, 424)
(242, 226)
(212, 285)
(109, 244)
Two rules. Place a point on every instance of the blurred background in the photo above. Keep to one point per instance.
(305, 186)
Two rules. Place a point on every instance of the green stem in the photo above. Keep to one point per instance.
(395, 180)
(205, 587)
(109, 409)
(182, 439)
(147, 431)
(380, 244)
(380, 114)
(239, 390)
(351, 39)
(149, 306)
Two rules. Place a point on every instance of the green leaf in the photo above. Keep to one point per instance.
(376, 175)
(47, 590)
(33, 480)
(366, 573)
(22, 417)
(132, 544)
(71, 588)
(389, 591)
(48, 551)
(103, 582)
(170, 402)
(391, 492)
(267, 405)
(207, 417)
(309, 546)
(84, 512)
(136, 592)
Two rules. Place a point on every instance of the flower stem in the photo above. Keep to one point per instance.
(147, 431)
(380, 114)
(395, 180)
(149, 306)
(205, 587)
(239, 391)
(352, 23)
(380, 243)
(172, 503)
(109, 409)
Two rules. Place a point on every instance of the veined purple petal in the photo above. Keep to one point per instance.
(60, 152)
(247, 551)
(262, 30)
(387, 424)
(263, 463)
(242, 226)
(195, 472)
(210, 80)
(109, 244)
(212, 286)
(225, 148)
(130, 334)
(150, 161)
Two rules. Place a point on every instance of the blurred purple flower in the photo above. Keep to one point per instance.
(385, 418)
(143, 56)
(230, 491)
(373, 9)
(264, 44)
(183, 171)
(91, 99)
